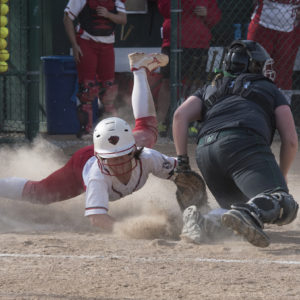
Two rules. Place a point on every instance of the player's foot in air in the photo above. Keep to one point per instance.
(242, 223)
(150, 61)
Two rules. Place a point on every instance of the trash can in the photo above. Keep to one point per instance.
(61, 85)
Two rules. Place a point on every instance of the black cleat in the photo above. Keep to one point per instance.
(243, 224)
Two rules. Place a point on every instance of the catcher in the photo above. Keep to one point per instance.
(240, 111)
(117, 164)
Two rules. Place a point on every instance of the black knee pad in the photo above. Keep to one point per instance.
(275, 207)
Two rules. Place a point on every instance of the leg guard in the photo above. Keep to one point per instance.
(108, 95)
(85, 117)
(88, 91)
(88, 111)
(277, 207)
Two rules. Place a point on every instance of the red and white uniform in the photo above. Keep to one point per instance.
(272, 25)
(98, 60)
(102, 188)
(276, 14)
(82, 172)
(195, 31)
(73, 9)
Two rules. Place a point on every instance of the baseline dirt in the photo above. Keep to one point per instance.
(51, 252)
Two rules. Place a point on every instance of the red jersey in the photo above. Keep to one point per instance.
(195, 30)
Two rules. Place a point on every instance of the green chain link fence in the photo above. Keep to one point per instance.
(22, 113)
(200, 45)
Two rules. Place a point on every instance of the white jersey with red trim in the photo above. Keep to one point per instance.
(102, 188)
(278, 15)
(73, 9)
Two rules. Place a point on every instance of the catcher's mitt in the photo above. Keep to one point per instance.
(191, 189)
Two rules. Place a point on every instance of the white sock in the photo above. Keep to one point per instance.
(142, 100)
(12, 188)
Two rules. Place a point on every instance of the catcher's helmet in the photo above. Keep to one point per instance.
(113, 138)
(245, 56)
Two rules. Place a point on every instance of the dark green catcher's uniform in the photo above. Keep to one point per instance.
(238, 125)
(234, 153)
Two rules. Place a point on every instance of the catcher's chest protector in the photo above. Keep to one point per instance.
(92, 23)
(240, 86)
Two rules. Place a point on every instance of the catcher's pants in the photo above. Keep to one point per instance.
(237, 165)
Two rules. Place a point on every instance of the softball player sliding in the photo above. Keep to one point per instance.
(118, 163)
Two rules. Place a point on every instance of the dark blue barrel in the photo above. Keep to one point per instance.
(61, 84)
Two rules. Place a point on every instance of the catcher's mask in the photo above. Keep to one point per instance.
(245, 56)
(114, 146)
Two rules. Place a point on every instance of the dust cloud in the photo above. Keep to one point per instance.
(151, 212)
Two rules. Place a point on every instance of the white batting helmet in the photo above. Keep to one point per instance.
(113, 138)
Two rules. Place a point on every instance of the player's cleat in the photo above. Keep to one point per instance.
(192, 231)
(242, 223)
(150, 61)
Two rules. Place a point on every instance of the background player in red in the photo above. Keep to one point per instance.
(93, 50)
(273, 25)
(197, 19)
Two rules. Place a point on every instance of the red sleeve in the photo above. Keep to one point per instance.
(213, 14)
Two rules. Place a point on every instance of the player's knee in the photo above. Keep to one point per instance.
(145, 138)
(145, 131)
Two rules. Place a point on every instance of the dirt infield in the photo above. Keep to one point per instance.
(51, 252)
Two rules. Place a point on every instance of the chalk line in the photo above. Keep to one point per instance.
(153, 259)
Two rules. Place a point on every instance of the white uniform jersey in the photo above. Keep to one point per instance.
(73, 9)
(102, 188)
(276, 14)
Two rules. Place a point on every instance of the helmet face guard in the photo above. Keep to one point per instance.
(236, 60)
(114, 167)
(246, 56)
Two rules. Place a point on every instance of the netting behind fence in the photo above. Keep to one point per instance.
(206, 28)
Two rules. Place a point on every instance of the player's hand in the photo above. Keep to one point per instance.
(77, 53)
(105, 222)
(102, 11)
(200, 11)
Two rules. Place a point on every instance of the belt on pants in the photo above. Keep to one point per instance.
(211, 137)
